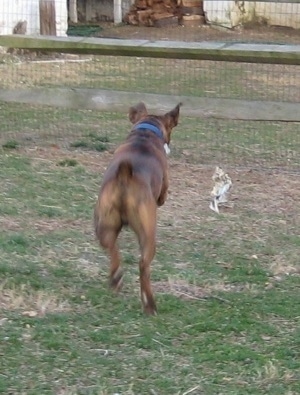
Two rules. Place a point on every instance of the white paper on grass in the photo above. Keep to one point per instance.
(220, 190)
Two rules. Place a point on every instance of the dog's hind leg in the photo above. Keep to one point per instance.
(115, 271)
(108, 239)
(146, 232)
(164, 190)
(108, 225)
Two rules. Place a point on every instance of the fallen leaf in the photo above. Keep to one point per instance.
(3, 320)
(30, 313)
(266, 337)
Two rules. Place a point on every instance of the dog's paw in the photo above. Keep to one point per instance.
(116, 280)
(149, 305)
(150, 310)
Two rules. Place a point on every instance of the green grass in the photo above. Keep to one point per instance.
(92, 142)
(204, 141)
(68, 162)
(83, 30)
(10, 144)
(226, 286)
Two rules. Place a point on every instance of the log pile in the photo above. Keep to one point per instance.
(156, 13)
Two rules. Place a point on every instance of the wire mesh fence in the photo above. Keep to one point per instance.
(235, 142)
(257, 145)
(188, 20)
(161, 76)
(204, 140)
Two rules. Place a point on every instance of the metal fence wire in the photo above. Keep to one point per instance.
(34, 83)
(181, 19)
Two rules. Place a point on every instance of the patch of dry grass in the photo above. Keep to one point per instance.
(281, 266)
(272, 372)
(30, 302)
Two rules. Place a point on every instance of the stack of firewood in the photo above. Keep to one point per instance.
(153, 13)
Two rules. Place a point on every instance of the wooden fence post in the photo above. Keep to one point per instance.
(47, 17)
(73, 15)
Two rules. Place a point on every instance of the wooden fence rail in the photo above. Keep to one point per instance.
(217, 51)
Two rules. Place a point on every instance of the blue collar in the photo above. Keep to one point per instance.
(149, 126)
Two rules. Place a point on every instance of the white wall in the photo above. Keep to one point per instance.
(231, 13)
(281, 14)
(218, 11)
(13, 11)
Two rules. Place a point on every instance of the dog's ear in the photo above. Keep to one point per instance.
(137, 112)
(171, 117)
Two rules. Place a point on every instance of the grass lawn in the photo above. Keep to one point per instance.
(227, 286)
(205, 141)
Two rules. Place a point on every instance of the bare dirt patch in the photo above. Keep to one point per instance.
(281, 266)
(93, 161)
(9, 223)
(266, 192)
(50, 225)
(258, 33)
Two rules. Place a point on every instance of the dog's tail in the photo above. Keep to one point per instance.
(125, 172)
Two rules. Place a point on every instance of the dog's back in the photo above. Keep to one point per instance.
(133, 178)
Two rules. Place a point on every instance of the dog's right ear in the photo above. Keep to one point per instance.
(173, 115)
(137, 112)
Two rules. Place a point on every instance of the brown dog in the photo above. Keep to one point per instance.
(134, 184)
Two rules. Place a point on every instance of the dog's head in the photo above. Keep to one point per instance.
(166, 122)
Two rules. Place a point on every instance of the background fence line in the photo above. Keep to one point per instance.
(228, 52)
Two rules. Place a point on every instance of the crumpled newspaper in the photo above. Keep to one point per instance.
(221, 188)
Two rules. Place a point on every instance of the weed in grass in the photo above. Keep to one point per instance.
(68, 162)
(80, 144)
(95, 144)
(14, 242)
(10, 145)
(96, 137)
(100, 147)
(50, 212)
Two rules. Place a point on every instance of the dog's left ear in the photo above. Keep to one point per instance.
(172, 116)
(137, 112)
